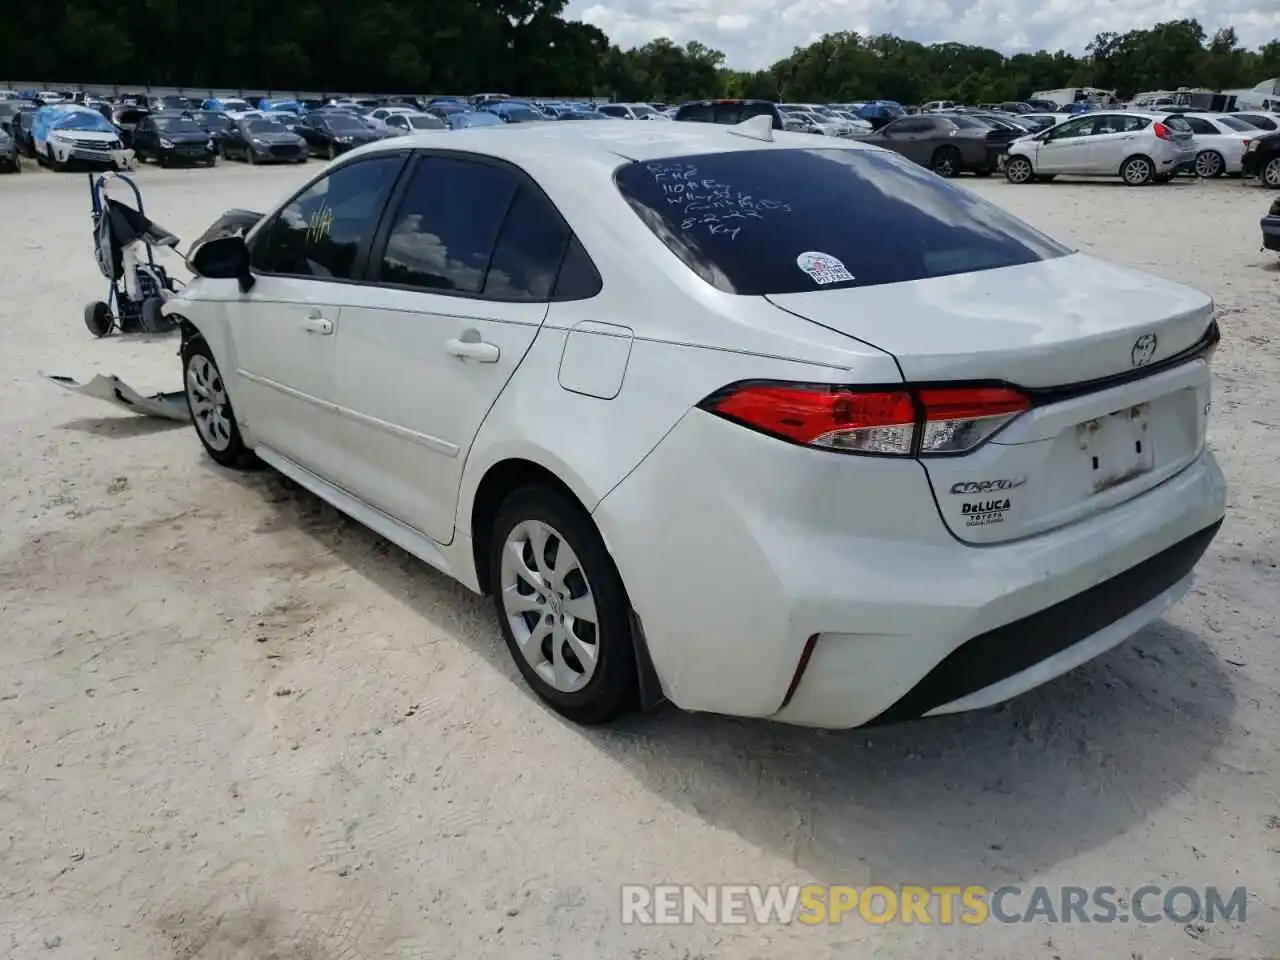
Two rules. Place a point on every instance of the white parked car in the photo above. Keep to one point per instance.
(704, 435)
(399, 124)
(378, 118)
(1136, 147)
(630, 111)
(1221, 141)
(80, 135)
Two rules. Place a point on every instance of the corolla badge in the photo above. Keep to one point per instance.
(1144, 348)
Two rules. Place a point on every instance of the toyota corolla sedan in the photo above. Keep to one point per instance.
(731, 417)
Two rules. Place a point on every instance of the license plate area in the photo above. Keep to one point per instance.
(1118, 447)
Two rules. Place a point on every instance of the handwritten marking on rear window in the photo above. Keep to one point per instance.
(710, 203)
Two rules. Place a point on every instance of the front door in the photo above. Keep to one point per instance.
(1065, 149)
(463, 269)
(305, 260)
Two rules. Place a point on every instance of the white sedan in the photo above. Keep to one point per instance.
(755, 423)
(1221, 141)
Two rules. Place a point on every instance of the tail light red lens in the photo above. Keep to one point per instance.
(903, 421)
(1161, 131)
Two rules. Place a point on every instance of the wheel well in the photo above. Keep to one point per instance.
(502, 479)
(189, 331)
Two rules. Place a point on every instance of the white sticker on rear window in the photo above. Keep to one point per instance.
(823, 267)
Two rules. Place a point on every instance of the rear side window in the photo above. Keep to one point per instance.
(777, 221)
(529, 250)
(443, 234)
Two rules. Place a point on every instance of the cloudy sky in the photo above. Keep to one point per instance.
(755, 33)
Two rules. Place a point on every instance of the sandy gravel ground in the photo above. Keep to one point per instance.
(235, 725)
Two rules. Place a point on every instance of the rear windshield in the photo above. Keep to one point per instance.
(728, 113)
(774, 221)
(968, 123)
(1177, 124)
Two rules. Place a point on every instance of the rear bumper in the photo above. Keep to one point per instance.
(768, 547)
(1271, 233)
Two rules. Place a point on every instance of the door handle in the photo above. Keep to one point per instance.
(473, 349)
(317, 324)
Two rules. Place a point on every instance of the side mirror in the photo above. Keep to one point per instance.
(223, 258)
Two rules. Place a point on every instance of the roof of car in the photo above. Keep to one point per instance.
(608, 141)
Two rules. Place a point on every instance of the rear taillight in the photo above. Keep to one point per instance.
(902, 421)
(1161, 131)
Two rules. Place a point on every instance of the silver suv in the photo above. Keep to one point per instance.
(1136, 147)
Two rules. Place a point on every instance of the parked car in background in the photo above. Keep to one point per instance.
(1139, 148)
(166, 104)
(63, 137)
(1260, 119)
(728, 111)
(1262, 160)
(1271, 228)
(21, 126)
(514, 112)
(212, 121)
(331, 133)
(399, 124)
(10, 158)
(466, 119)
(1043, 121)
(173, 138)
(1221, 140)
(583, 115)
(629, 111)
(948, 144)
(377, 118)
(125, 118)
(1001, 441)
(258, 140)
(231, 106)
(11, 108)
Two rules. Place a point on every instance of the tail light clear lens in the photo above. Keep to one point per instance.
(904, 421)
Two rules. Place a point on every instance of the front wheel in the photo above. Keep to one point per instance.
(562, 607)
(210, 408)
(946, 162)
(1018, 170)
(97, 318)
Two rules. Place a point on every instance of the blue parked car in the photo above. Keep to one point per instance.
(465, 119)
(510, 111)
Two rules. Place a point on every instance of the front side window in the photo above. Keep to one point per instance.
(1236, 124)
(1073, 128)
(755, 222)
(319, 233)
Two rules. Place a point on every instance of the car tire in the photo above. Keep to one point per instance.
(584, 669)
(250, 156)
(1270, 173)
(1137, 171)
(97, 319)
(210, 408)
(332, 152)
(1209, 164)
(946, 162)
(1018, 170)
(52, 160)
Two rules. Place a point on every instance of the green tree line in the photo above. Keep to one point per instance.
(527, 46)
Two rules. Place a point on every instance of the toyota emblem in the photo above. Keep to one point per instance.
(1144, 348)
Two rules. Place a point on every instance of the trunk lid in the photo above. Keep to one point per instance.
(1075, 332)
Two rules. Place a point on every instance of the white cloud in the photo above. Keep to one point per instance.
(756, 33)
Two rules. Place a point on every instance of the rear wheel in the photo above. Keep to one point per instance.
(1270, 173)
(1137, 171)
(562, 607)
(210, 408)
(333, 152)
(1209, 164)
(97, 318)
(946, 162)
(1018, 170)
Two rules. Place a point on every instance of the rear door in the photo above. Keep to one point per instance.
(1115, 136)
(464, 267)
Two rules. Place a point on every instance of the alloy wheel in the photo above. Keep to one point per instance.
(1018, 170)
(1208, 164)
(207, 395)
(550, 606)
(1271, 173)
(1136, 171)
